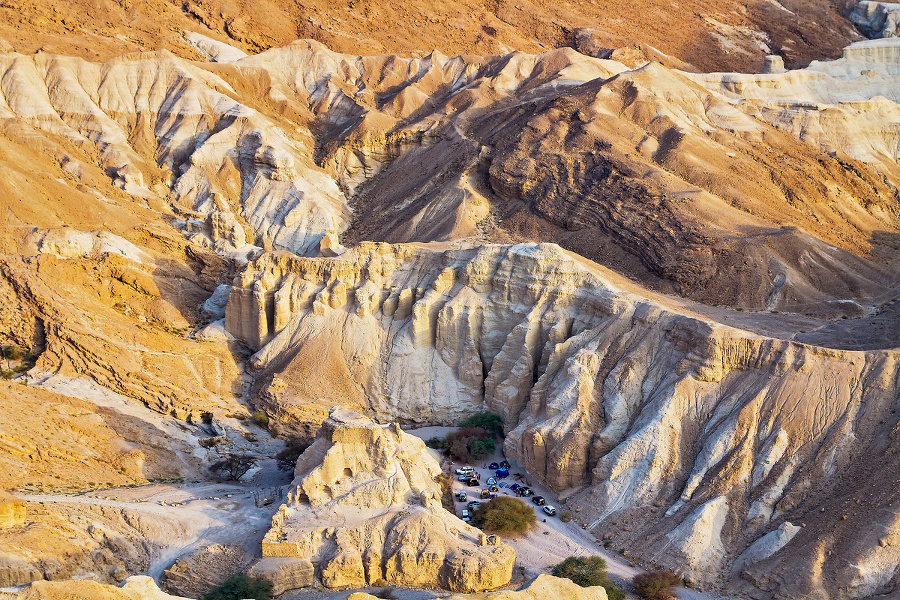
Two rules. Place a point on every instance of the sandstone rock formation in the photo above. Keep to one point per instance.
(876, 19)
(443, 148)
(135, 588)
(703, 436)
(366, 508)
(544, 587)
(12, 510)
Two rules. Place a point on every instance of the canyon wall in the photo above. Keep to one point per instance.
(697, 446)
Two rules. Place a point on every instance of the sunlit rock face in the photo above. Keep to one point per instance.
(366, 509)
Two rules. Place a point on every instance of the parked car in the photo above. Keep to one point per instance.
(465, 516)
(539, 500)
(473, 504)
(466, 469)
(473, 482)
(525, 492)
(493, 466)
(550, 510)
(461, 496)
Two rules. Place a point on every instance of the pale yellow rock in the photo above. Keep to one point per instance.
(365, 507)
(134, 588)
(12, 510)
(284, 573)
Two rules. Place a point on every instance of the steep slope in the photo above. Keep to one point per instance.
(715, 187)
(694, 445)
(716, 35)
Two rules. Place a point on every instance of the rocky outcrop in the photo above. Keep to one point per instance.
(648, 170)
(877, 19)
(365, 509)
(545, 587)
(134, 588)
(12, 510)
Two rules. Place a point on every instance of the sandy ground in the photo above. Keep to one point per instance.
(223, 513)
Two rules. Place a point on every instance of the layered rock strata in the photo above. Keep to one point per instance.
(365, 509)
(649, 170)
(699, 446)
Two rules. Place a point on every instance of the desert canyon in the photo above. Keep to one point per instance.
(660, 240)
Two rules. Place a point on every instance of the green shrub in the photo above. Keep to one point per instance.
(436, 443)
(238, 587)
(504, 515)
(488, 421)
(260, 418)
(469, 443)
(587, 572)
(565, 516)
(481, 448)
(287, 458)
(656, 585)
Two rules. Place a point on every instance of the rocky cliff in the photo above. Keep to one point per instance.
(366, 509)
(161, 216)
(700, 446)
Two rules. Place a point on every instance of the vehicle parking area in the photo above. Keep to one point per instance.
(550, 541)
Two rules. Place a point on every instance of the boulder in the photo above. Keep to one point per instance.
(12, 510)
(284, 573)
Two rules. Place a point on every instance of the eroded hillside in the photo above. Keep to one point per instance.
(678, 289)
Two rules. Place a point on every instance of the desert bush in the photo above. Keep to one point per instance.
(490, 422)
(239, 587)
(565, 516)
(469, 443)
(437, 443)
(504, 515)
(287, 458)
(656, 585)
(260, 418)
(233, 466)
(586, 572)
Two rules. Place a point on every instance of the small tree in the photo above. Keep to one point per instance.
(234, 466)
(239, 587)
(656, 585)
(504, 515)
(586, 572)
(287, 458)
